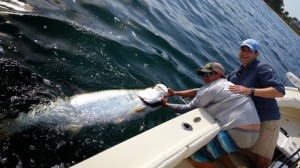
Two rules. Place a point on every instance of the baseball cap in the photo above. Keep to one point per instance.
(212, 67)
(252, 44)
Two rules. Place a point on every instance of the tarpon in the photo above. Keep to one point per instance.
(88, 109)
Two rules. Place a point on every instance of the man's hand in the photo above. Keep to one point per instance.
(171, 92)
(240, 89)
(164, 102)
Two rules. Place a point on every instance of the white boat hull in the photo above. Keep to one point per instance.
(163, 146)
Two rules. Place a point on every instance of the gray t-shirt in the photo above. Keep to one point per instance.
(229, 109)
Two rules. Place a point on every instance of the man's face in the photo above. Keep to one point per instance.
(210, 78)
(247, 56)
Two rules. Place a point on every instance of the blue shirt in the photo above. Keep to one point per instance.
(259, 75)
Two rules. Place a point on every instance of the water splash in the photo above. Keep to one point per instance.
(16, 5)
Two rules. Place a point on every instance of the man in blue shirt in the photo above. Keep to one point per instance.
(260, 81)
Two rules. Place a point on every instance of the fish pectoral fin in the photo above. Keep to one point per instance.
(139, 109)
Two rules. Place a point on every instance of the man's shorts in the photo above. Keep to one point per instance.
(244, 138)
(267, 139)
(219, 146)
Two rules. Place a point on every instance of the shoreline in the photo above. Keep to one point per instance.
(284, 21)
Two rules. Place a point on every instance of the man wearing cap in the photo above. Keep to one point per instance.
(259, 80)
(234, 112)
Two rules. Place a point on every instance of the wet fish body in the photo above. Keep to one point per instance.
(110, 106)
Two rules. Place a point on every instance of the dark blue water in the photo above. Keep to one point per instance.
(58, 48)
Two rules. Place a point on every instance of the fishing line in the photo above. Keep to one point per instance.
(181, 79)
(186, 100)
(156, 80)
(274, 163)
(289, 158)
(286, 160)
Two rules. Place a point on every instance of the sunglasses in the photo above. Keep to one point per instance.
(207, 74)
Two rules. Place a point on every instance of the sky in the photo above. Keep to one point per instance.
(293, 7)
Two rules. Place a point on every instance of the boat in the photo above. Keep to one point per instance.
(169, 144)
(289, 138)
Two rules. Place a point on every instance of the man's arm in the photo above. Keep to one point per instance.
(180, 108)
(273, 87)
(184, 93)
(269, 92)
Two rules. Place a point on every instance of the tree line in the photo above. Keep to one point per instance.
(277, 6)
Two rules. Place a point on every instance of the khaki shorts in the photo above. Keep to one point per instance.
(243, 138)
(267, 139)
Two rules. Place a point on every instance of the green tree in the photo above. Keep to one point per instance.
(286, 13)
(276, 5)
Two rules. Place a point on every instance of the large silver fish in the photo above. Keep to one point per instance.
(88, 109)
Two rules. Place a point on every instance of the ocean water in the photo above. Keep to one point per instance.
(58, 48)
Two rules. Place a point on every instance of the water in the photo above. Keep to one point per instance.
(54, 48)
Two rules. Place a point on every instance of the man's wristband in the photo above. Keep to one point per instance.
(252, 90)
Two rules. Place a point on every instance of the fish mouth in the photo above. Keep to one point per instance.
(152, 96)
(153, 104)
